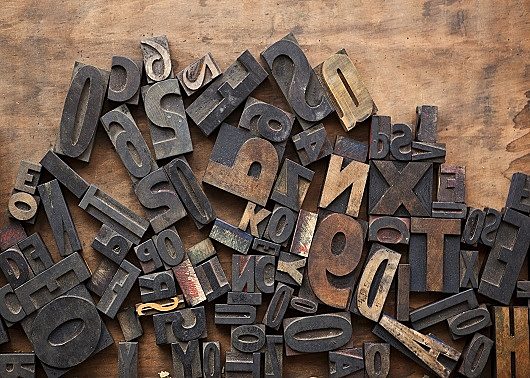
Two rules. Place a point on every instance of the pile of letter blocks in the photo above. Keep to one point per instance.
(306, 268)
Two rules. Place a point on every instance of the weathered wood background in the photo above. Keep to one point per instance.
(471, 58)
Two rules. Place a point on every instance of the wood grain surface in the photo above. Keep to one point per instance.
(471, 58)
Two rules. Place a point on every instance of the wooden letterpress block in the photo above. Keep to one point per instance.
(189, 283)
(443, 309)
(345, 362)
(124, 81)
(469, 321)
(519, 193)
(401, 142)
(10, 308)
(101, 277)
(278, 306)
(243, 272)
(380, 137)
(60, 219)
(198, 74)
(264, 274)
(476, 356)
(81, 112)
(452, 210)
(375, 281)
(211, 359)
(274, 356)
(190, 191)
(351, 99)
(469, 269)
(281, 225)
(128, 142)
(182, 325)
(298, 82)
(344, 186)
(169, 247)
(492, 222)
(305, 305)
(212, 278)
(118, 289)
(23, 207)
(231, 236)
(335, 253)
(157, 61)
(377, 359)
(27, 177)
(350, 149)
(201, 252)
(428, 152)
(400, 189)
(434, 254)
(309, 334)
(112, 213)
(15, 267)
(64, 174)
(511, 341)
(248, 338)
(156, 286)
(168, 125)
(186, 359)
(148, 256)
(17, 365)
(292, 185)
(243, 165)
(243, 298)
(254, 219)
(303, 233)
(402, 293)
(175, 303)
(11, 233)
(290, 269)
(265, 246)
(266, 120)
(473, 226)
(451, 183)
(226, 93)
(111, 244)
(389, 230)
(242, 364)
(427, 123)
(523, 289)
(127, 359)
(427, 351)
(130, 324)
(506, 257)
(312, 144)
(234, 314)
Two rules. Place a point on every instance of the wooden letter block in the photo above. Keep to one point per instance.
(290, 269)
(226, 93)
(375, 281)
(101, 277)
(292, 185)
(189, 283)
(344, 186)
(303, 233)
(492, 222)
(401, 142)
(11, 233)
(243, 165)
(182, 325)
(266, 120)
(427, 351)
(298, 82)
(243, 298)
(175, 303)
(186, 359)
(451, 183)
(231, 236)
(155, 286)
(434, 255)
(274, 356)
(519, 194)
(350, 97)
(389, 230)
(212, 279)
(248, 338)
(15, 267)
(157, 61)
(234, 314)
(111, 244)
(335, 253)
(130, 324)
(243, 273)
(81, 111)
(148, 256)
(27, 177)
(264, 274)
(124, 82)
(278, 306)
(400, 189)
(190, 192)
(350, 149)
(23, 207)
(17, 365)
(506, 257)
(428, 152)
(10, 308)
(377, 359)
(128, 360)
(211, 359)
(305, 305)
(312, 144)
(469, 269)
(403, 293)
(169, 247)
(469, 321)
(128, 142)
(265, 246)
(255, 220)
(475, 356)
(168, 125)
(64, 174)
(60, 219)
(473, 226)
(201, 252)
(511, 342)
(380, 137)
(449, 210)
(281, 225)
(198, 74)
(427, 123)
(317, 333)
(345, 362)
(242, 365)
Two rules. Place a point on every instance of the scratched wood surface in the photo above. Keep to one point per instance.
(468, 57)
